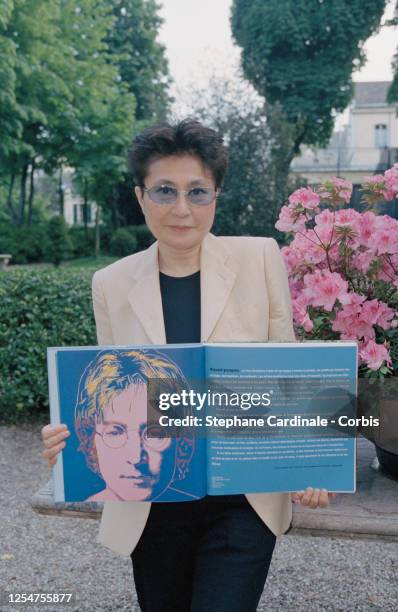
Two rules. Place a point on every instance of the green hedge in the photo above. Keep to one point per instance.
(38, 308)
(36, 244)
(25, 244)
(130, 239)
(123, 243)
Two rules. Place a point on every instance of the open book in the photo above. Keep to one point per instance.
(178, 422)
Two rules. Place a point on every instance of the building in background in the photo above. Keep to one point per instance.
(74, 203)
(367, 144)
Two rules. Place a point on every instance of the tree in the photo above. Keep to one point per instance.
(259, 140)
(74, 77)
(141, 58)
(392, 95)
(59, 243)
(301, 55)
(143, 69)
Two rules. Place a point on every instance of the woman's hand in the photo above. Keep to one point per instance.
(53, 437)
(314, 498)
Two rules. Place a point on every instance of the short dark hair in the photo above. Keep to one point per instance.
(188, 137)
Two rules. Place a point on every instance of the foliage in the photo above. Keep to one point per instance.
(25, 244)
(59, 243)
(392, 95)
(78, 79)
(123, 243)
(141, 58)
(92, 263)
(38, 309)
(343, 269)
(82, 241)
(143, 235)
(259, 143)
(301, 54)
(36, 244)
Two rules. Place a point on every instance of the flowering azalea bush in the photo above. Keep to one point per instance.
(343, 268)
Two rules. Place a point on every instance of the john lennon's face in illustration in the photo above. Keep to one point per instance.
(135, 467)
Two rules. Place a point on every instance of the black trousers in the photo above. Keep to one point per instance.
(201, 556)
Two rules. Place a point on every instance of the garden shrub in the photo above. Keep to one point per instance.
(123, 243)
(38, 309)
(25, 244)
(83, 244)
(143, 235)
(59, 245)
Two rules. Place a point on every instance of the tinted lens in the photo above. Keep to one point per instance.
(163, 194)
(201, 196)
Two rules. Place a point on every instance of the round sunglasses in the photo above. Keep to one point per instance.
(164, 194)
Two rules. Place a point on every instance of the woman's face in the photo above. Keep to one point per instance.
(181, 225)
(133, 466)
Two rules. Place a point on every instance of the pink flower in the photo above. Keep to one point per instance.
(368, 225)
(352, 326)
(306, 197)
(384, 316)
(323, 288)
(378, 186)
(375, 179)
(362, 260)
(391, 181)
(291, 257)
(325, 219)
(300, 313)
(308, 247)
(386, 235)
(348, 216)
(288, 222)
(336, 189)
(374, 355)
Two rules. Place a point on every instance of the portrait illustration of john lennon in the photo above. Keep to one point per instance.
(137, 459)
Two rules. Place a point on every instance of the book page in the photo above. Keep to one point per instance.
(285, 422)
(122, 446)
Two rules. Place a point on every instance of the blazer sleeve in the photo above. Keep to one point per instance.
(280, 307)
(101, 313)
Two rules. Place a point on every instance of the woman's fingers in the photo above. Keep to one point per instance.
(323, 498)
(54, 436)
(313, 498)
(48, 453)
(48, 431)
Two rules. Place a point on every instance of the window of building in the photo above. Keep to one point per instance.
(381, 139)
(78, 214)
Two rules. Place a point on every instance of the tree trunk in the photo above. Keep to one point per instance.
(85, 206)
(22, 195)
(97, 232)
(31, 191)
(61, 195)
(14, 215)
(115, 212)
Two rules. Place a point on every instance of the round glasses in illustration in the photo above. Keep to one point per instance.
(136, 457)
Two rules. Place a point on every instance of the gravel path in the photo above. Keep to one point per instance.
(46, 554)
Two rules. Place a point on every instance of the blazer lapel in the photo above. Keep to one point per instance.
(217, 280)
(145, 298)
(216, 277)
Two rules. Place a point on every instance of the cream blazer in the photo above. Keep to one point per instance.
(244, 297)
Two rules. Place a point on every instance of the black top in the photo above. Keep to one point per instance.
(181, 307)
(181, 313)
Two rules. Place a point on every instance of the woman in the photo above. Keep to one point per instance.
(190, 286)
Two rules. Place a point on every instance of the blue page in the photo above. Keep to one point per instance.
(258, 452)
(116, 452)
